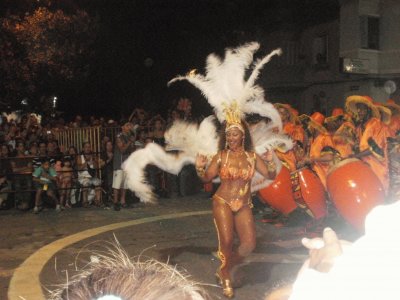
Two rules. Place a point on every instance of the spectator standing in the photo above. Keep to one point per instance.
(155, 175)
(22, 169)
(5, 171)
(141, 139)
(65, 182)
(123, 149)
(158, 130)
(107, 156)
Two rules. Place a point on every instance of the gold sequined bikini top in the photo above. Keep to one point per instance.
(229, 172)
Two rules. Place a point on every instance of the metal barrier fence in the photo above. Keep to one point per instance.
(77, 136)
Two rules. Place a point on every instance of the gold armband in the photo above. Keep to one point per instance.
(200, 172)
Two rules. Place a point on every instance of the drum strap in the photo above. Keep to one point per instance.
(297, 195)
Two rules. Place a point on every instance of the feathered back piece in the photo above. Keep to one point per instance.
(224, 83)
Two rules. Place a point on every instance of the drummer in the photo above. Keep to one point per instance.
(395, 119)
(322, 138)
(344, 136)
(372, 135)
(291, 128)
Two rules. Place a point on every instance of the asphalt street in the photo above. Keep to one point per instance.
(40, 251)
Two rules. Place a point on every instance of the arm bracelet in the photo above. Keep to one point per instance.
(271, 166)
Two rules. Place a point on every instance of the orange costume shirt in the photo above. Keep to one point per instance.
(343, 139)
(321, 141)
(394, 124)
(296, 133)
(376, 132)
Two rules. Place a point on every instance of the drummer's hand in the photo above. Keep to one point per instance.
(323, 251)
(267, 156)
(201, 161)
(303, 162)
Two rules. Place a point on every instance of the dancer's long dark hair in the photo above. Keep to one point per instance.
(248, 143)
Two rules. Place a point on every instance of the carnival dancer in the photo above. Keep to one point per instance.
(235, 161)
(235, 164)
(372, 135)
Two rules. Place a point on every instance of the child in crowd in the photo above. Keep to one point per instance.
(45, 178)
(66, 177)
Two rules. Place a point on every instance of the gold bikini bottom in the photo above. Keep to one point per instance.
(235, 205)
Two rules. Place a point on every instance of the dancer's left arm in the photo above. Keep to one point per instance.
(266, 166)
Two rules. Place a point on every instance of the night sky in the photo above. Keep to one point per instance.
(142, 44)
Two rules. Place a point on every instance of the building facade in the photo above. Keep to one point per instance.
(358, 53)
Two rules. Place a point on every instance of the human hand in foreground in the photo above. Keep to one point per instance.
(201, 161)
(323, 251)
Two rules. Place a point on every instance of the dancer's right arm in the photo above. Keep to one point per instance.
(206, 175)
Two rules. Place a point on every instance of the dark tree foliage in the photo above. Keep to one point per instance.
(43, 52)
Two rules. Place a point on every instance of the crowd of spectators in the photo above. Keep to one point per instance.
(37, 170)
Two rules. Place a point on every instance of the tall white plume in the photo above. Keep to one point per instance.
(224, 82)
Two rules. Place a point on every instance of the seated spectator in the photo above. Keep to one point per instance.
(87, 164)
(116, 276)
(33, 149)
(45, 178)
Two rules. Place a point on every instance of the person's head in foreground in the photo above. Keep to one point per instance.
(115, 276)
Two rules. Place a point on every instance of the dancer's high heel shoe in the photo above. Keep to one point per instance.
(227, 289)
(226, 285)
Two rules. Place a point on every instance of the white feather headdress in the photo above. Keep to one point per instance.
(224, 82)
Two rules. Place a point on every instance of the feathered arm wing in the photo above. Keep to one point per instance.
(263, 139)
(153, 154)
(187, 138)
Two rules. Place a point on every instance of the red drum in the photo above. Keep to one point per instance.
(354, 189)
(308, 192)
(279, 193)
